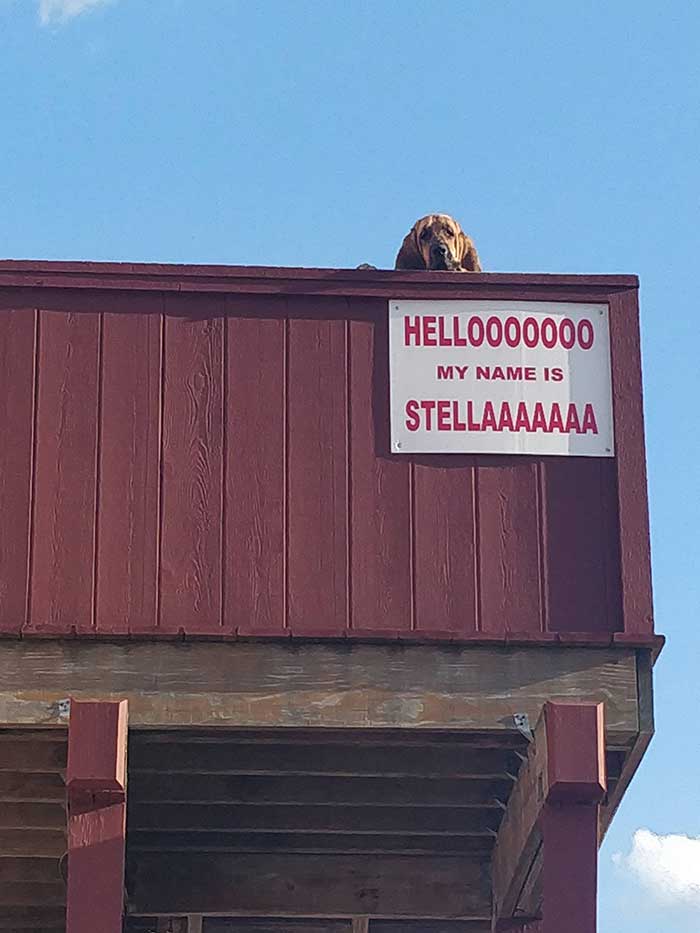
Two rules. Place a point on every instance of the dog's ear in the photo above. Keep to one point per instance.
(409, 256)
(470, 257)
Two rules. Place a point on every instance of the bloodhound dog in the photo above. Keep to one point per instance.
(438, 242)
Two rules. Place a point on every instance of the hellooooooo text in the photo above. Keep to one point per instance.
(437, 330)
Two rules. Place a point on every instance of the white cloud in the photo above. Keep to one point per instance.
(669, 866)
(58, 10)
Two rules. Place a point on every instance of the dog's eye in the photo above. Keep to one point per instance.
(449, 231)
(425, 235)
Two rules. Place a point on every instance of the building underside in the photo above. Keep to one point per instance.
(275, 788)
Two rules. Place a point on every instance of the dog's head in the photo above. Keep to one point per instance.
(438, 242)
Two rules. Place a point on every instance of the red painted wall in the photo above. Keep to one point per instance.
(205, 451)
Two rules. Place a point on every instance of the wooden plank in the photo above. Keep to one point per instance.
(289, 885)
(417, 821)
(406, 925)
(32, 919)
(508, 542)
(128, 503)
(628, 768)
(26, 870)
(425, 738)
(581, 590)
(276, 925)
(179, 277)
(254, 517)
(29, 843)
(192, 458)
(317, 481)
(380, 496)
(630, 460)
(63, 555)
(263, 685)
(360, 925)
(17, 371)
(566, 766)
(199, 758)
(32, 816)
(257, 790)
(29, 894)
(443, 530)
(18, 786)
(311, 844)
(33, 758)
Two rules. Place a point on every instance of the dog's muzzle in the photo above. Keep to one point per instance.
(440, 256)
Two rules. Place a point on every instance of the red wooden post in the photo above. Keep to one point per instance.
(569, 817)
(554, 808)
(96, 789)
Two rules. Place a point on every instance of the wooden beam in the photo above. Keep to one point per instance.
(258, 790)
(429, 926)
(31, 893)
(18, 787)
(303, 885)
(553, 812)
(645, 703)
(418, 821)
(96, 786)
(30, 843)
(267, 684)
(243, 925)
(328, 760)
(309, 843)
(38, 870)
(33, 757)
(32, 816)
(360, 925)
(32, 919)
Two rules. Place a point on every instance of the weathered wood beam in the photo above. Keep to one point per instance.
(311, 843)
(39, 870)
(32, 816)
(429, 926)
(32, 757)
(417, 821)
(30, 843)
(194, 923)
(450, 761)
(96, 787)
(553, 812)
(303, 885)
(645, 704)
(16, 787)
(268, 684)
(31, 893)
(259, 790)
(32, 919)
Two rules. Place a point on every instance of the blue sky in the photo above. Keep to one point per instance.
(564, 136)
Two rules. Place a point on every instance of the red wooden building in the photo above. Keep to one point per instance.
(363, 688)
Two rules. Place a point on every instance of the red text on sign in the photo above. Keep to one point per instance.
(437, 330)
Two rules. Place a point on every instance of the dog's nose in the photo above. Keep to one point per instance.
(440, 249)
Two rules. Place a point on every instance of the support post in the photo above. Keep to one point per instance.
(96, 799)
(545, 859)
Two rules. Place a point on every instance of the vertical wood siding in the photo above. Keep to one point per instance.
(17, 358)
(219, 465)
(65, 472)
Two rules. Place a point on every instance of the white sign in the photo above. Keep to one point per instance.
(513, 377)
